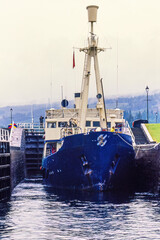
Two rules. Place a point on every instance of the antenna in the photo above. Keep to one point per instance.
(117, 77)
(62, 92)
(32, 115)
(51, 84)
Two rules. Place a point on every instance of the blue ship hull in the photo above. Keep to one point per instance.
(93, 161)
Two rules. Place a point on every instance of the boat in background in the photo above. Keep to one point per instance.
(88, 148)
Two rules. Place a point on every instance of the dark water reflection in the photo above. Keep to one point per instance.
(37, 212)
(96, 197)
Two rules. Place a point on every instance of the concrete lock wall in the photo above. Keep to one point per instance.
(148, 167)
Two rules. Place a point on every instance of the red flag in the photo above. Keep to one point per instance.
(73, 59)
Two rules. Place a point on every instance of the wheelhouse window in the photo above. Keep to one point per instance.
(109, 124)
(96, 124)
(51, 125)
(62, 124)
(88, 123)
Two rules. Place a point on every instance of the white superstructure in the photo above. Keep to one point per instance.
(63, 122)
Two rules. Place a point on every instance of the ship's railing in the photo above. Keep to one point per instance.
(94, 129)
(125, 128)
(129, 131)
(67, 131)
(73, 113)
(30, 125)
(4, 135)
(99, 129)
(61, 113)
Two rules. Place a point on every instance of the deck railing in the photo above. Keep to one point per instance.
(30, 125)
(4, 135)
(73, 113)
(131, 133)
(67, 131)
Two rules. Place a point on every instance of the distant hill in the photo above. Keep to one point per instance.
(134, 108)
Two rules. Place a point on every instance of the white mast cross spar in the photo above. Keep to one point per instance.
(91, 52)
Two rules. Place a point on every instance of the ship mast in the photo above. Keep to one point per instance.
(91, 52)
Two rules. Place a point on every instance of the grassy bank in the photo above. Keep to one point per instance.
(154, 130)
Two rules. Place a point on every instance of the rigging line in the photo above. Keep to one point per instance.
(51, 86)
(117, 77)
(104, 104)
(137, 153)
(154, 147)
(124, 140)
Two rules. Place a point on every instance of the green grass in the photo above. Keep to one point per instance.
(154, 130)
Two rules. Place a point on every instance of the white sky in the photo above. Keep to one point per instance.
(37, 39)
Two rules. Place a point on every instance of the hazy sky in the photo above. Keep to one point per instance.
(37, 39)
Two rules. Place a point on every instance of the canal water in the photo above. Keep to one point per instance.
(37, 212)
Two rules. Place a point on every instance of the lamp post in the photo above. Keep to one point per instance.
(156, 116)
(11, 114)
(147, 90)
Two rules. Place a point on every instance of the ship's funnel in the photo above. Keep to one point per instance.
(92, 13)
